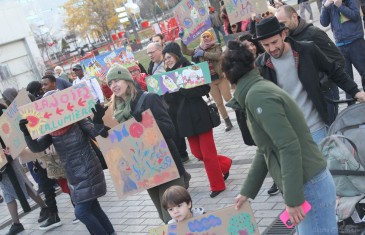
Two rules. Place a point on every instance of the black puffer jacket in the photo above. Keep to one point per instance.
(82, 167)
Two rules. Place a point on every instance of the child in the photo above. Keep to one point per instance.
(177, 201)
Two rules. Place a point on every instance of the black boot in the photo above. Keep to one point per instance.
(228, 123)
(53, 221)
(43, 215)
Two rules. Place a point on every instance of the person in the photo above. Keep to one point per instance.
(58, 70)
(35, 88)
(82, 169)
(157, 66)
(138, 77)
(159, 38)
(177, 201)
(124, 105)
(254, 46)
(285, 147)
(210, 51)
(348, 31)
(217, 23)
(91, 82)
(60, 83)
(305, 5)
(300, 30)
(301, 61)
(229, 28)
(193, 121)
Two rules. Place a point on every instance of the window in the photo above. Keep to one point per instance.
(4, 72)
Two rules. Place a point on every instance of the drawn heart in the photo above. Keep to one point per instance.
(159, 160)
(32, 121)
(5, 127)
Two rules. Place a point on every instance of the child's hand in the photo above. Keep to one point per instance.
(239, 200)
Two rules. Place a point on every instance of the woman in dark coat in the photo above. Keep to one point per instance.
(193, 120)
(124, 104)
(82, 168)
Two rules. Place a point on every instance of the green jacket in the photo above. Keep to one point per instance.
(285, 145)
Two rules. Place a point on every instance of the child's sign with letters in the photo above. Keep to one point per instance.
(227, 221)
(58, 110)
(9, 125)
(137, 156)
(239, 10)
(186, 77)
(193, 17)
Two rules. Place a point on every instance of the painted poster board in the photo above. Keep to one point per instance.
(193, 17)
(58, 110)
(9, 125)
(186, 77)
(239, 10)
(137, 156)
(227, 221)
(3, 160)
(98, 66)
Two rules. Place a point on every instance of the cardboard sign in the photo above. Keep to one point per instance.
(137, 156)
(225, 221)
(3, 160)
(58, 110)
(9, 125)
(193, 17)
(239, 10)
(98, 66)
(186, 77)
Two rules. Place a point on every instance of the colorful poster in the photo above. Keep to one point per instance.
(239, 10)
(225, 221)
(172, 81)
(3, 160)
(193, 17)
(98, 66)
(137, 156)
(58, 110)
(9, 125)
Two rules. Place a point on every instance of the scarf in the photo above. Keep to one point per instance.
(122, 108)
(207, 45)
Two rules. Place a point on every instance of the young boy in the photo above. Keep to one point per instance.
(177, 201)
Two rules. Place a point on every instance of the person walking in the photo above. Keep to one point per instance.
(305, 5)
(217, 23)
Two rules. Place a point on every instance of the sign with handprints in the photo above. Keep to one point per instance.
(58, 110)
(137, 156)
(239, 10)
(186, 77)
(9, 125)
(227, 221)
(193, 17)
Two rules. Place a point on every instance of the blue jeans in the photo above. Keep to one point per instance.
(320, 192)
(94, 218)
(319, 135)
(217, 30)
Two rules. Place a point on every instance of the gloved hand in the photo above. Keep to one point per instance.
(198, 53)
(23, 127)
(99, 113)
(181, 33)
(137, 116)
(104, 132)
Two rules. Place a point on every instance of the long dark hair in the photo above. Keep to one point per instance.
(248, 37)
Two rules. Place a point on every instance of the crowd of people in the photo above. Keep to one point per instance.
(283, 70)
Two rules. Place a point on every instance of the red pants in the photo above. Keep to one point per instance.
(203, 147)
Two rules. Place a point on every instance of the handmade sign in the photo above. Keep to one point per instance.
(193, 17)
(186, 77)
(58, 110)
(98, 66)
(137, 156)
(225, 221)
(9, 125)
(3, 160)
(239, 10)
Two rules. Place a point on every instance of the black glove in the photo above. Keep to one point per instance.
(23, 127)
(137, 116)
(99, 113)
(104, 132)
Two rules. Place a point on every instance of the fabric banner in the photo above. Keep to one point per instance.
(186, 77)
(193, 17)
(137, 156)
(98, 66)
(239, 10)
(58, 110)
(9, 125)
(225, 221)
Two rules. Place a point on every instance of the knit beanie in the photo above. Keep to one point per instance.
(206, 33)
(9, 95)
(173, 48)
(118, 72)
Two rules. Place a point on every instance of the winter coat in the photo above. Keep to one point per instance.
(311, 61)
(285, 145)
(189, 108)
(82, 167)
(348, 31)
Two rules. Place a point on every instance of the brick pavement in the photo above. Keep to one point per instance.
(136, 214)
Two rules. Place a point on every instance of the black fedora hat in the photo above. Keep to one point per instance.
(268, 27)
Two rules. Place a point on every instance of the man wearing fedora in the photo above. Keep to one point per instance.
(295, 67)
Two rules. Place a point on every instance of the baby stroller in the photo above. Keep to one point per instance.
(344, 149)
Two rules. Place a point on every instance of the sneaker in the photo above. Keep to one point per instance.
(53, 221)
(273, 190)
(187, 178)
(75, 221)
(15, 229)
(43, 215)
